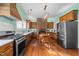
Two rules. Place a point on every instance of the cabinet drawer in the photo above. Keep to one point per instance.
(6, 47)
(9, 52)
(28, 37)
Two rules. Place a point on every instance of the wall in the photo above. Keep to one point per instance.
(52, 19)
(7, 23)
(21, 11)
(32, 19)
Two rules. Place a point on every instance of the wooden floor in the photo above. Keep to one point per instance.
(38, 49)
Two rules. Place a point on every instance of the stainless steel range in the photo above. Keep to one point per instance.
(19, 45)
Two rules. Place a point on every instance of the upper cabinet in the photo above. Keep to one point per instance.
(50, 25)
(33, 25)
(28, 24)
(72, 15)
(9, 9)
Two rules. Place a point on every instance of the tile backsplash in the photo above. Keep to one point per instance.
(6, 26)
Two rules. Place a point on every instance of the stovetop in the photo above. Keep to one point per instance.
(17, 36)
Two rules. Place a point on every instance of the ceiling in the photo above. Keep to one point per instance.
(36, 10)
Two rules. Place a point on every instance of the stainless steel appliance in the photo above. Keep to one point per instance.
(19, 45)
(7, 33)
(67, 34)
(19, 42)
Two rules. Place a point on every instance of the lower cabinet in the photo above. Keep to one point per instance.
(28, 38)
(7, 49)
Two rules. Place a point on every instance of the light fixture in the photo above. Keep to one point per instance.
(45, 12)
(29, 13)
(45, 7)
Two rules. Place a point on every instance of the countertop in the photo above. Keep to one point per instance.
(3, 42)
(26, 33)
(9, 39)
(6, 40)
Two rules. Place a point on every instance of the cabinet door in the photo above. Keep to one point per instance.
(62, 19)
(8, 47)
(9, 52)
(49, 24)
(72, 15)
(34, 24)
(28, 37)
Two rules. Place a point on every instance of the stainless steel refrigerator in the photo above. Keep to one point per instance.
(67, 34)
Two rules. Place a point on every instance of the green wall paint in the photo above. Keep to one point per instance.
(21, 11)
(8, 20)
(51, 20)
(32, 18)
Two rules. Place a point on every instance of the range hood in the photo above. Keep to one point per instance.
(9, 10)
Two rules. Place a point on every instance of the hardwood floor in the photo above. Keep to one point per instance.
(35, 48)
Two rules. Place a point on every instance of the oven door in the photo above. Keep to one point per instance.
(20, 46)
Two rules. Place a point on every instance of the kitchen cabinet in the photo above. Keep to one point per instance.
(7, 49)
(41, 23)
(50, 24)
(28, 24)
(70, 16)
(9, 10)
(28, 38)
(33, 24)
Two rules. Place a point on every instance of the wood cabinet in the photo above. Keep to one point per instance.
(7, 49)
(9, 9)
(41, 23)
(33, 24)
(13, 10)
(72, 15)
(28, 24)
(28, 38)
(50, 25)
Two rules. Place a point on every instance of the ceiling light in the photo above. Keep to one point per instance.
(45, 7)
